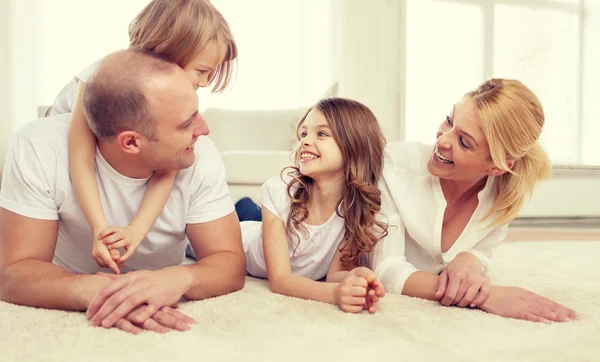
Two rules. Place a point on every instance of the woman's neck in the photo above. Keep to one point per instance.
(457, 192)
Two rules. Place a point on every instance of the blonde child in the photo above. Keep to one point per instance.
(320, 219)
(192, 34)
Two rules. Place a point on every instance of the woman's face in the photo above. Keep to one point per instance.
(461, 152)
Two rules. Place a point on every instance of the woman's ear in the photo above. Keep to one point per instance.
(130, 142)
(495, 171)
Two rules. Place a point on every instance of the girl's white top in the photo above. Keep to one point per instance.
(313, 255)
(414, 206)
(63, 103)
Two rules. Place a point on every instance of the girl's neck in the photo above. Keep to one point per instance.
(325, 197)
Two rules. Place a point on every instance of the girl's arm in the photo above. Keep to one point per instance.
(82, 152)
(279, 270)
(131, 236)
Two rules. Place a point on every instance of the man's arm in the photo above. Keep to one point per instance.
(27, 275)
(221, 266)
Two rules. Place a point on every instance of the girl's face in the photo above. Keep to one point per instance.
(318, 153)
(200, 69)
(461, 152)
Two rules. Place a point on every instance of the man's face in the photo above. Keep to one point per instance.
(174, 104)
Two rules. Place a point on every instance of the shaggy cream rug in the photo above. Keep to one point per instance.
(257, 325)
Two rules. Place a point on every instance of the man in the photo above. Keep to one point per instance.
(144, 112)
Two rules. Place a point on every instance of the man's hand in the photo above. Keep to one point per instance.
(156, 289)
(129, 237)
(464, 282)
(164, 320)
(518, 303)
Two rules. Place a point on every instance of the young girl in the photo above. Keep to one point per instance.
(449, 204)
(192, 34)
(324, 211)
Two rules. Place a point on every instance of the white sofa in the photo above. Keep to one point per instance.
(255, 145)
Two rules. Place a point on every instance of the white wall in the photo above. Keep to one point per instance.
(371, 58)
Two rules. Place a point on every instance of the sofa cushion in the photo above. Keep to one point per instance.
(252, 130)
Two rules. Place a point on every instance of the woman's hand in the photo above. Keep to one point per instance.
(464, 282)
(518, 303)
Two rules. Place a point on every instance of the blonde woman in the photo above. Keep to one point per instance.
(449, 205)
(194, 35)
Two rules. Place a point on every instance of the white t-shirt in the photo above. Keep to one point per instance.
(36, 184)
(314, 253)
(63, 103)
(413, 202)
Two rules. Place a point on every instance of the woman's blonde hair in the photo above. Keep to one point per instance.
(180, 29)
(512, 118)
(360, 138)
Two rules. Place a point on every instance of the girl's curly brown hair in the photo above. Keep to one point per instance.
(360, 138)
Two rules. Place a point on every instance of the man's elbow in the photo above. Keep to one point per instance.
(238, 278)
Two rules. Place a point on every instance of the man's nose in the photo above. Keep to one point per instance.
(201, 128)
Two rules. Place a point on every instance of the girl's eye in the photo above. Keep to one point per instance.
(449, 121)
(323, 134)
(202, 71)
(303, 134)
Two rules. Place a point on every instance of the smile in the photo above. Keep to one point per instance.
(307, 156)
(441, 157)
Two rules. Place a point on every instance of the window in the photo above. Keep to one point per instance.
(453, 45)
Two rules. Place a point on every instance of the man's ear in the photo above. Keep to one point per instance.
(130, 142)
(495, 171)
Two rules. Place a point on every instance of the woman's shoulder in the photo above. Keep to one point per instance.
(407, 157)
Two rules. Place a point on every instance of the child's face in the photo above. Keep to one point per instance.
(200, 69)
(318, 153)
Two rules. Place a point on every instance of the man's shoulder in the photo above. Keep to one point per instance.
(47, 132)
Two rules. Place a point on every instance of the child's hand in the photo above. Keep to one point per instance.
(375, 289)
(351, 293)
(105, 258)
(129, 237)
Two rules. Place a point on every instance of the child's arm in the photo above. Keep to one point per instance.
(130, 237)
(82, 151)
(350, 295)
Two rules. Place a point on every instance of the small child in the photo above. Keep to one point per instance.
(320, 219)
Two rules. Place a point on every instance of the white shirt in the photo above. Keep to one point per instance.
(314, 253)
(36, 184)
(63, 103)
(413, 202)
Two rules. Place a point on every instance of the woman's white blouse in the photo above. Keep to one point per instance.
(414, 205)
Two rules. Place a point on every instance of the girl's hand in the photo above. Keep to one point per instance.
(350, 294)
(375, 289)
(464, 282)
(105, 258)
(129, 237)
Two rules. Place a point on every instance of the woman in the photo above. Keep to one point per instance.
(449, 205)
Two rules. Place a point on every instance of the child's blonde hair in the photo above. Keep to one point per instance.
(360, 138)
(180, 29)
(512, 118)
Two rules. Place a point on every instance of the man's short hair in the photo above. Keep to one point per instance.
(114, 99)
